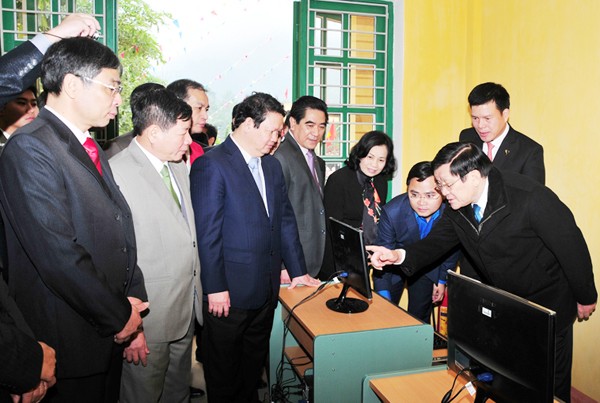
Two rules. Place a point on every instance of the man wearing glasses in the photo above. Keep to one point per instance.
(520, 237)
(406, 219)
(70, 235)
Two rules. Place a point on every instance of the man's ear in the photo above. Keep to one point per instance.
(153, 131)
(71, 85)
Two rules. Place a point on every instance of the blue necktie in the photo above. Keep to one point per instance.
(253, 165)
(477, 211)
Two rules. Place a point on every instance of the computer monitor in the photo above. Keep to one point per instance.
(349, 258)
(493, 331)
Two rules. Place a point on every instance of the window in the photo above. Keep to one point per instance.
(343, 55)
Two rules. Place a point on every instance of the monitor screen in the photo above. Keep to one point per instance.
(350, 260)
(493, 331)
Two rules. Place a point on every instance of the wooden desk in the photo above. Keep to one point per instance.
(428, 385)
(344, 348)
(421, 385)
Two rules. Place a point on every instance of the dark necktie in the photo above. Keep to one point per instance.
(92, 150)
(477, 212)
(310, 158)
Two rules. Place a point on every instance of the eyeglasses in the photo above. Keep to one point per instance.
(441, 186)
(113, 90)
(426, 196)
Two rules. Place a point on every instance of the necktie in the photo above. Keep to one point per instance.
(477, 212)
(489, 153)
(166, 177)
(310, 158)
(92, 150)
(253, 165)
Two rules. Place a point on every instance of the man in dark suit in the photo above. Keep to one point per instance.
(28, 367)
(245, 227)
(304, 174)
(509, 150)
(404, 220)
(71, 244)
(520, 237)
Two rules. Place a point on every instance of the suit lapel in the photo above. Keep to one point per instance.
(180, 177)
(301, 161)
(236, 159)
(75, 148)
(152, 178)
(508, 146)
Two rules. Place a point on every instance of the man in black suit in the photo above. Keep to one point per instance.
(520, 237)
(28, 366)
(70, 238)
(304, 174)
(509, 150)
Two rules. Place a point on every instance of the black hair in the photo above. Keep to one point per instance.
(486, 92)
(158, 106)
(211, 131)
(80, 56)
(256, 107)
(303, 103)
(181, 87)
(420, 171)
(364, 145)
(463, 158)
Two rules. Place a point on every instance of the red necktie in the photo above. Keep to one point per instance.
(489, 153)
(92, 150)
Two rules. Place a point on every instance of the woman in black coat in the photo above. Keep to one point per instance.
(355, 193)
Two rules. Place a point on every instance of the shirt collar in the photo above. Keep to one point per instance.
(156, 162)
(81, 136)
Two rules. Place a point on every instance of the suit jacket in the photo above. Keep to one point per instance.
(240, 246)
(166, 243)
(71, 245)
(307, 200)
(343, 196)
(527, 243)
(398, 228)
(518, 153)
(21, 354)
(19, 69)
(118, 144)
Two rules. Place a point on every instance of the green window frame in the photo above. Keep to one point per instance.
(343, 55)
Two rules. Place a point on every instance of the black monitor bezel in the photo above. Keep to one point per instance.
(472, 337)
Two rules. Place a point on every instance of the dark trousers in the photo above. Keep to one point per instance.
(564, 361)
(234, 349)
(97, 388)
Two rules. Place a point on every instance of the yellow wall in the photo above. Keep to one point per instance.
(547, 54)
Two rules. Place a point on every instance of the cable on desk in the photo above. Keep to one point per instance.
(280, 391)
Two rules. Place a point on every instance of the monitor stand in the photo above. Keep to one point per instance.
(343, 304)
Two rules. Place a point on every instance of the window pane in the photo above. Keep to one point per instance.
(362, 36)
(332, 140)
(328, 35)
(362, 82)
(359, 125)
(328, 81)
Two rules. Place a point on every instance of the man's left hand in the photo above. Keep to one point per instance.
(305, 280)
(137, 350)
(585, 311)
